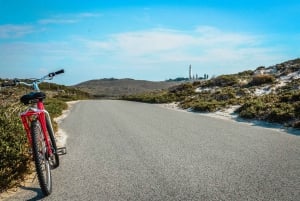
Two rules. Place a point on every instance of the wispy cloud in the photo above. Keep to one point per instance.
(87, 14)
(57, 21)
(12, 31)
(15, 31)
(202, 42)
(151, 41)
(206, 46)
(68, 18)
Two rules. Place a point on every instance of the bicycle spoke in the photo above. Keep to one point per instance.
(41, 158)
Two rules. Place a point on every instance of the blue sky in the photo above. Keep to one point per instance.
(148, 40)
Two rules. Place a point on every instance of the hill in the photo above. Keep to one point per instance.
(267, 93)
(118, 87)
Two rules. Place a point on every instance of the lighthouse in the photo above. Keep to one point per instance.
(190, 72)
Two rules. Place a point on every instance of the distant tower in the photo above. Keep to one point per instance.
(190, 72)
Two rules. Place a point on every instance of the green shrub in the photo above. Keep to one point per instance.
(14, 160)
(296, 106)
(246, 73)
(242, 92)
(253, 109)
(183, 89)
(223, 95)
(204, 106)
(247, 111)
(268, 108)
(296, 97)
(153, 97)
(262, 79)
(225, 80)
(281, 113)
(55, 106)
(290, 97)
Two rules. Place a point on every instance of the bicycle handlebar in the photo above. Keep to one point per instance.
(56, 73)
(35, 81)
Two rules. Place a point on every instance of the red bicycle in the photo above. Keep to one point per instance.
(37, 123)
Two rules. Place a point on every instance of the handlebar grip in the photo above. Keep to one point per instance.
(56, 73)
(59, 72)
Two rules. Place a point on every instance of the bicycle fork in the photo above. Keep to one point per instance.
(32, 114)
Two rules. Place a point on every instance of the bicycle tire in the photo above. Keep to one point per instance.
(41, 159)
(54, 161)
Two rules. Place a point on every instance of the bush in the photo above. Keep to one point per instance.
(290, 97)
(224, 94)
(294, 85)
(296, 106)
(55, 106)
(204, 106)
(269, 108)
(246, 73)
(253, 109)
(262, 79)
(225, 80)
(183, 88)
(281, 113)
(154, 97)
(14, 160)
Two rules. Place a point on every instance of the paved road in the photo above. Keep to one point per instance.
(131, 151)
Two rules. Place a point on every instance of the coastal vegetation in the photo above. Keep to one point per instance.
(269, 94)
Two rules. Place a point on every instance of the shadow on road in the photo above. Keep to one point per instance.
(264, 124)
(39, 194)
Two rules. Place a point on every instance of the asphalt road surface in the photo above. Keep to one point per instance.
(121, 150)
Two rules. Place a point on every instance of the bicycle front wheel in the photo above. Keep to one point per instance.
(41, 159)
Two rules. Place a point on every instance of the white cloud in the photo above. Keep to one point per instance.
(213, 50)
(205, 44)
(87, 14)
(151, 41)
(95, 45)
(15, 31)
(57, 21)
(68, 18)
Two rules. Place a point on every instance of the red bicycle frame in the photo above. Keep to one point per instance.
(36, 113)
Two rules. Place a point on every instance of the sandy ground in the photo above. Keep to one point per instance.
(61, 135)
(227, 114)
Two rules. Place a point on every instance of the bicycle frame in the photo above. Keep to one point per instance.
(40, 114)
